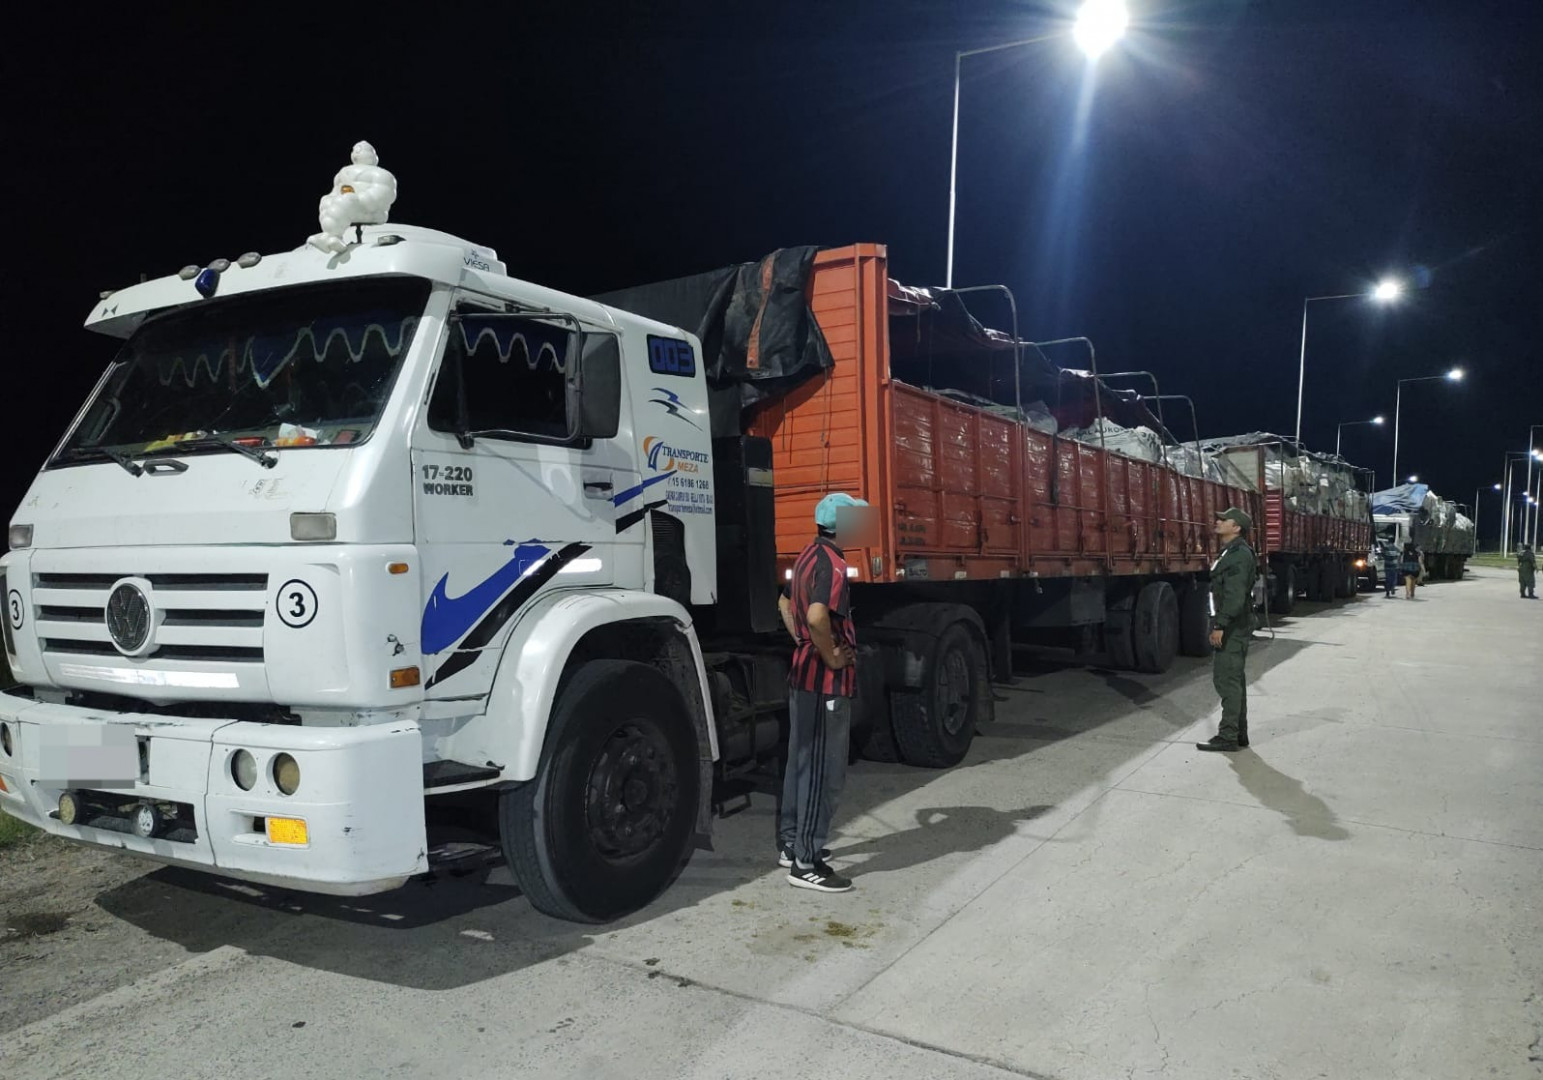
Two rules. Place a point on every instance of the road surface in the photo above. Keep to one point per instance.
(1087, 898)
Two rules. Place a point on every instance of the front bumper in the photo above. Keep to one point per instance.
(360, 795)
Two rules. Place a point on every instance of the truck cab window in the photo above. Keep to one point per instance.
(514, 372)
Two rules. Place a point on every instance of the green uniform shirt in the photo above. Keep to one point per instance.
(1232, 588)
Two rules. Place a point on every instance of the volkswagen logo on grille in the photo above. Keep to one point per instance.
(128, 618)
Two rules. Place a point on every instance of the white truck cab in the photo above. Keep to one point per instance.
(340, 530)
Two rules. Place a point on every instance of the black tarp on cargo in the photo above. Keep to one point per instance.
(759, 336)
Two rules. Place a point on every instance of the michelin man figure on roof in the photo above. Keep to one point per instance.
(362, 194)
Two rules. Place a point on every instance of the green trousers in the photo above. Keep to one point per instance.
(1228, 672)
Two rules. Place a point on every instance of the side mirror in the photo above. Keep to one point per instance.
(599, 386)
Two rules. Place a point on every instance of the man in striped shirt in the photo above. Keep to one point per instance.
(816, 610)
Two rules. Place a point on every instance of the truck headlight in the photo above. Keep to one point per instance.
(286, 774)
(243, 769)
(20, 537)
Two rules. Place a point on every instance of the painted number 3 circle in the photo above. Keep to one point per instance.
(14, 609)
(297, 604)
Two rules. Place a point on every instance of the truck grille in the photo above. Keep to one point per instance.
(215, 618)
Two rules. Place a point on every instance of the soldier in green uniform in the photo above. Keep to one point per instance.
(1527, 572)
(1232, 621)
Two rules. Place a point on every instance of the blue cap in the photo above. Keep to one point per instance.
(825, 512)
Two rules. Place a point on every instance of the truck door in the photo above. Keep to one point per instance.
(508, 501)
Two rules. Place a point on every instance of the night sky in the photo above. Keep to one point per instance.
(1231, 158)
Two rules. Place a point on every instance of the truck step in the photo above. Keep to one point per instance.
(467, 855)
(442, 774)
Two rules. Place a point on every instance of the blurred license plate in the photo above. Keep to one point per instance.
(87, 755)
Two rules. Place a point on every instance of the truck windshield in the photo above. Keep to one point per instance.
(304, 366)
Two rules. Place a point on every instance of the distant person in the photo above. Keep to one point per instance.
(817, 612)
(1390, 563)
(1232, 622)
(1527, 572)
(1411, 568)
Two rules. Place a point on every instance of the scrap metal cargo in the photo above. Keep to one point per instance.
(1413, 513)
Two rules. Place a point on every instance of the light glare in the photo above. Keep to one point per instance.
(1456, 374)
(1100, 24)
(1388, 290)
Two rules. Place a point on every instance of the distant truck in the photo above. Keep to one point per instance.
(1445, 536)
(1316, 528)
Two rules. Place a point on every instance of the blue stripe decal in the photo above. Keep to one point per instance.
(634, 492)
(446, 619)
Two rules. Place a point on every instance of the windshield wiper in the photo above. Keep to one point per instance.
(81, 453)
(262, 457)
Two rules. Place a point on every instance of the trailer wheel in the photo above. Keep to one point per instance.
(1284, 601)
(1195, 621)
(1157, 628)
(935, 725)
(1352, 580)
(1119, 633)
(608, 821)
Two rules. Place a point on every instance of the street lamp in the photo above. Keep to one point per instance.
(1339, 434)
(1529, 517)
(1506, 500)
(1476, 492)
(1387, 291)
(1413, 479)
(1100, 23)
(1455, 375)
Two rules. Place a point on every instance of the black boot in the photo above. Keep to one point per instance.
(1216, 742)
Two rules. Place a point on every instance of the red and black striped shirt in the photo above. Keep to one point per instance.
(820, 577)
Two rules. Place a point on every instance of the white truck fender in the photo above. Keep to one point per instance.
(525, 686)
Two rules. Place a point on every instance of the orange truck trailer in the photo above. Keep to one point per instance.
(994, 527)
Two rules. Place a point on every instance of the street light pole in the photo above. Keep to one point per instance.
(1339, 434)
(1530, 515)
(1455, 375)
(953, 162)
(1386, 291)
(1100, 23)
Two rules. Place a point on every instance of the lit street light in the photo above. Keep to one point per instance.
(1387, 291)
(1100, 23)
(1509, 502)
(1530, 517)
(1414, 479)
(1455, 375)
(1351, 423)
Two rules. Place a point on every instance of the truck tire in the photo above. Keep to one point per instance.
(1119, 630)
(935, 725)
(1195, 621)
(1284, 601)
(1157, 628)
(1352, 580)
(609, 818)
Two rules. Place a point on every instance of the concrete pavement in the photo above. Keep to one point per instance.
(1086, 897)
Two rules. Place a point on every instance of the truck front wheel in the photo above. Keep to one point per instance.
(607, 822)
